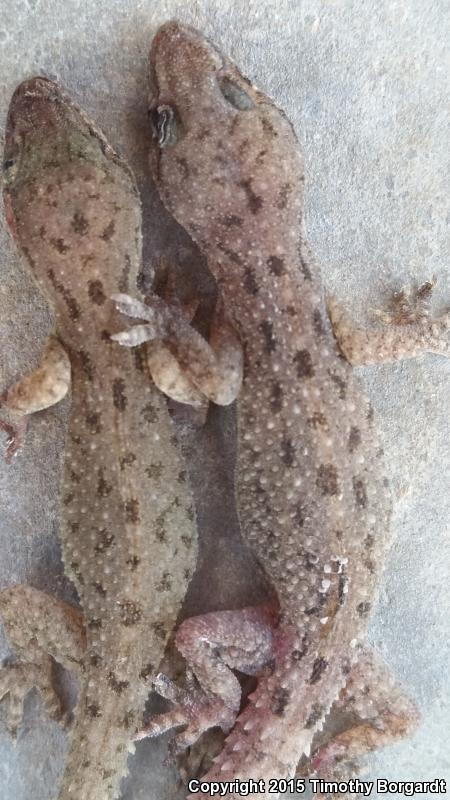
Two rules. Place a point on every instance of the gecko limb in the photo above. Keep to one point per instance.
(40, 629)
(379, 712)
(408, 330)
(215, 368)
(40, 389)
(214, 644)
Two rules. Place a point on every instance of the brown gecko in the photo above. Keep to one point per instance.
(311, 487)
(126, 524)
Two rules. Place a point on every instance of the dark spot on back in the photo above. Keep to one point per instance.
(288, 452)
(268, 127)
(93, 710)
(354, 439)
(250, 282)
(303, 362)
(306, 272)
(369, 541)
(103, 488)
(109, 231)
(80, 223)
(318, 322)
(184, 167)
(369, 565)
(230, 220)
(120, 399)
(300, 515)
(154, 471)
(276, 265)
(147, 671)
(93, 421)
(327, 479)
(130, 612)
(72, 305)
(341, 384)
(140, 360)
(96, 293)
(60, 245)
(116, 685)
(270, 343)
(318, 669)
(234, 257)
(276, 397)
(99, 589)
(300, 652)
(127, 460)
(86, 364)
(94, 624)
(132, 510)
(363, 609)
(165, 584)
(318, 420)
(133, 562)
(149, 413)
(360, 492)
(68, 499)
(255, 203)
(280, 700)
(284, 195)
(104, 540)
(159, 630)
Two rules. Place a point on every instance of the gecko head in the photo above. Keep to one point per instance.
(220, 147)
(45, 128)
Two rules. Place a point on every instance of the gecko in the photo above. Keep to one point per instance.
(127, 525)
(312, 492)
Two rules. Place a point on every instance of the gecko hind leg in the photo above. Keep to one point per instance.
(380, 713)
(407, 329)
(214, 368)
(40, 389)
(40, 629)
(214, 644)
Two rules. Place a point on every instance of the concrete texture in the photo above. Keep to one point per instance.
(366, 85)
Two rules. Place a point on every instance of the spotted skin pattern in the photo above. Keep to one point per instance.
(313, 497)
(126, 523)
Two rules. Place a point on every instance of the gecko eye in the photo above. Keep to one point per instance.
(165, 126)
(8, 164)
(235, 94)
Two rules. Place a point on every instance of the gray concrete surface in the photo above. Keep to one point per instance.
(366, 85)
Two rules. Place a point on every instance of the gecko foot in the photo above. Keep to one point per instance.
(15, 436)
(17, 680)
(196, 710)
(408, 305)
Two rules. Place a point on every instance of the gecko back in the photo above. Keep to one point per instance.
(126, 521)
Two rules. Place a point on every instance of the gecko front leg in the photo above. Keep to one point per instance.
(214, 368)
(40, 629)
(407, 331)
(40, 389)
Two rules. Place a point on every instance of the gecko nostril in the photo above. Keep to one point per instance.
(165, 125)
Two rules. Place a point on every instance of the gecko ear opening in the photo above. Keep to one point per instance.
(166, 126)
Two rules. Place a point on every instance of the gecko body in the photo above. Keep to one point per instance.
(312, 492)
(126, 523)
(311, 488)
